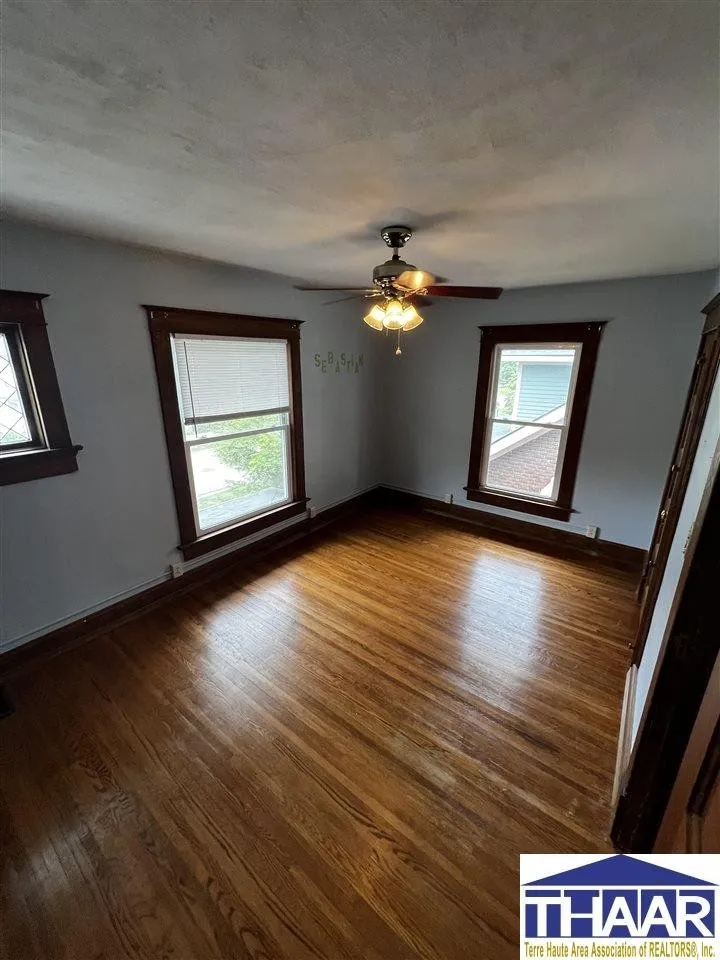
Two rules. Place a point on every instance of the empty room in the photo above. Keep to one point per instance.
(359, 444)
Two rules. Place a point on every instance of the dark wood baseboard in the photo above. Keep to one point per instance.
(535, 536)
(74, 634)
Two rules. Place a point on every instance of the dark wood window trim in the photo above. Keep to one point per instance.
(588, 334)
(163, 323)
(50, 452)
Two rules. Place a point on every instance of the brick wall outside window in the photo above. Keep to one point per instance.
(529, 467)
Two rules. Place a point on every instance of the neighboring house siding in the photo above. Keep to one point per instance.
(529, 467)
(543, 387)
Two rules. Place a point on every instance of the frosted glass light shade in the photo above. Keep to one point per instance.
(412, 318)
(394, 319)
(375, 317)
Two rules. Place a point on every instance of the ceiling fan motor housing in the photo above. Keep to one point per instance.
(389, 271)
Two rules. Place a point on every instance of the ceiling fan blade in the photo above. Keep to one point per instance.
(471, 293)
(341, 289)
(414, 280)
(354, 296)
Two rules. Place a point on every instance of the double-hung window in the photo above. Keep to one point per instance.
(531, 404)
(34, 437)
(230, 391)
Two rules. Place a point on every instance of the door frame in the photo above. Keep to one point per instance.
(685, 665)
(705, 371)
(686, 803)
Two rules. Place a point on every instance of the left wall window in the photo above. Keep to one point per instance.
(231, 400)
(34, 437)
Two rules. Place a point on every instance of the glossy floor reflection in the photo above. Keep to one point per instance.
(340, 753)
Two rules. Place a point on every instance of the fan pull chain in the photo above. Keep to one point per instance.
(398, 351)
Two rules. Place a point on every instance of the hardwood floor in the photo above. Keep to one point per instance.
(338, 754)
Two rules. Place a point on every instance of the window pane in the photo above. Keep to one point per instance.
(221, 428)
(533, 382)
(238, 477)
(14, 423)
(523, 459)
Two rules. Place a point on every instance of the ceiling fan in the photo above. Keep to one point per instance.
(396, 283)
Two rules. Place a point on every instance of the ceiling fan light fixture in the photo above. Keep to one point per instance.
(375, 317)
(396, 282)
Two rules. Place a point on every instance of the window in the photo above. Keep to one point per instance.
(231, 401)
(235, 406)
(530, 409)
(34, 437)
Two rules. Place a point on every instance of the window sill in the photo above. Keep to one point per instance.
(537, 508)
(238, 531)
(25, 465)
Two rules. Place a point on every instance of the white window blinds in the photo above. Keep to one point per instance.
(222, 377)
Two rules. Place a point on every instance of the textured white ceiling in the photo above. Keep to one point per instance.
(539, 142)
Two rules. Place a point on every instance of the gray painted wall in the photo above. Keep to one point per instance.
(641, 381)
(73, 543)
(715, 288)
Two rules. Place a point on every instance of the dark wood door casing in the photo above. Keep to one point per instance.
(687, 663)
(696, 407)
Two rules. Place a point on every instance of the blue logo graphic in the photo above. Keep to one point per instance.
(620, 897)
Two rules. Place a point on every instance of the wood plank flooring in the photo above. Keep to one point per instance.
(338, 754)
